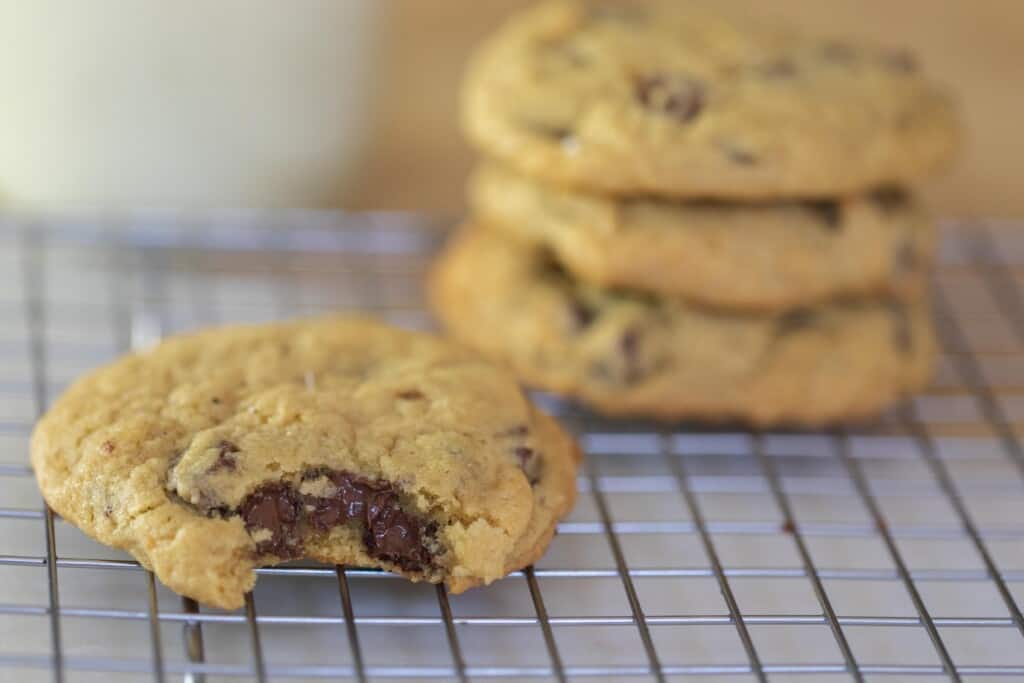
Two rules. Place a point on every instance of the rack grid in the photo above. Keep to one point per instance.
(887, 551)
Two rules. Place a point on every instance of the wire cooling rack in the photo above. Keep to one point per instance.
(893, 551)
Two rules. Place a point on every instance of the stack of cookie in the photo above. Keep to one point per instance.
(686, 216)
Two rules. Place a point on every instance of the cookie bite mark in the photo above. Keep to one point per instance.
(678, 96)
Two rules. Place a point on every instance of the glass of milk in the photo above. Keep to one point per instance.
(225, 103)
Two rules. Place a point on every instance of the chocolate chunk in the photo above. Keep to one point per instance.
(900, 61)
(274, 508)
(902, 336)
(676, 95)
(779, 68)
(411, 395)
(389, 534)
(888, 199)
(838, 53)
(225, 456)
(794, 321)
(393, 535)
(828, 212)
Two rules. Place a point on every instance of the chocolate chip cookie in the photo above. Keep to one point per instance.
(671, 99)
(749, 256)
(629, 353)
(340, 440)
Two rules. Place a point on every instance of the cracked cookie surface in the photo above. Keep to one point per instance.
(628, 353)
(673, 99)
(741, 256)
(340, 440)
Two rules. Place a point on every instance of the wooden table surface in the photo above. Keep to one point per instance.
(415, 158)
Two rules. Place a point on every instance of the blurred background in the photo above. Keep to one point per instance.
(352, 103)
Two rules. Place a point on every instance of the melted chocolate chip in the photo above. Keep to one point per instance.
(828, 213)
(395, 536)
(274, 508)
(900, 61)
(226, 456)
(902, 337)
(676, 95)
(389, 532)
(411, 395)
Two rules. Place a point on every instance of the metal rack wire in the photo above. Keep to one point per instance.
(889, 551)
